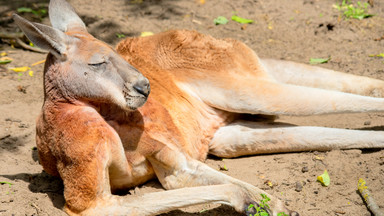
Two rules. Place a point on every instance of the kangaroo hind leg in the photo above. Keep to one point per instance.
(318, 77)
(246, 90)
(260, 96)
(250, 138)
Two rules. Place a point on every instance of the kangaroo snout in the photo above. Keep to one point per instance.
(143, 87)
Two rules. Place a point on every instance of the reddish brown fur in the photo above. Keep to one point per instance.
(164, 66)
(179, 53)
(97, 133)
(169, 118)
(85, 142)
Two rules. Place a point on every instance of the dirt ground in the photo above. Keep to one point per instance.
(294, 30)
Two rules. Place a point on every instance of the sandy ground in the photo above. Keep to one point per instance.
(293, 30)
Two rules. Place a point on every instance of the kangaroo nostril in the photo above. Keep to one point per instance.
(142, 87)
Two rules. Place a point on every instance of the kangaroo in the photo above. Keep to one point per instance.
(158, 105)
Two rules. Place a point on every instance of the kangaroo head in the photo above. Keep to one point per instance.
(79, 66)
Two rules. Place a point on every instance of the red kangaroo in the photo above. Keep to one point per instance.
(156, 107)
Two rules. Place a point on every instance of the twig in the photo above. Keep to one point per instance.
(38, 210)
(371, 204)
(5, 20)
(17, 36)
(14, 35)
(26, 46)
(39, 62)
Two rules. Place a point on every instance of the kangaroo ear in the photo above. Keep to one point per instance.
(44, 36)
(64, 17)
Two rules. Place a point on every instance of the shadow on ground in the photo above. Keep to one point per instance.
(42, 183)
(156, 9)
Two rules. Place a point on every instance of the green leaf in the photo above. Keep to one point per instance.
(319, 60)
(378, 55)
(264, 214)
(241, 20)
(4, 182)
(266, 205)
(250, 206)
(24, 10)
(43, 11)
(265, 197)
(118, 35)
(5, 61)
(220, 20)
(324, 178)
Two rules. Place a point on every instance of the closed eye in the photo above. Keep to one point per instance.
(97, 64)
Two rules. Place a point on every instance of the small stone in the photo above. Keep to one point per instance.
(304, 169)
(299, 186)
(367, 123)
(316, 192)
(22, 125)
(285, 183)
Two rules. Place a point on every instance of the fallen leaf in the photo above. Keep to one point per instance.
(3, 54)
(241, 20)
(24, 10)
(319, 60)
(8, 183)
(196, 21)
(5, 60)
(20, 69)
(269, 183)
(324, 179)
(22, 89)
(146, 33)
(30, 73)
(225, 168)
(220, 20)
(378, 55)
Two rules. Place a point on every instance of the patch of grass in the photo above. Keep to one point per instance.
(349, 10)
(118, 35)
(261, 210)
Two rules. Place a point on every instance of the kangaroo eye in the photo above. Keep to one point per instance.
(97, 64)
